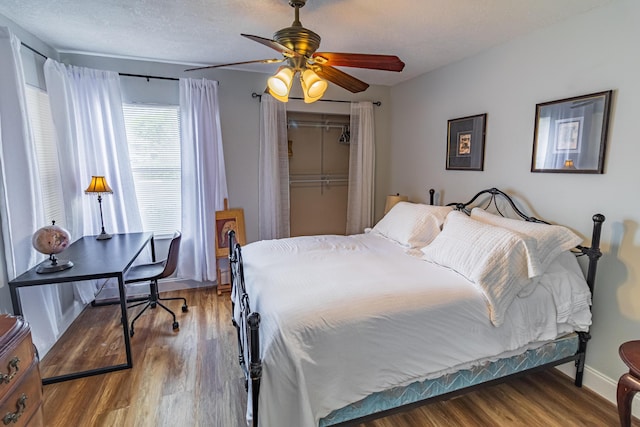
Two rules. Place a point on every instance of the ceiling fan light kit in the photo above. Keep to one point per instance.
(280, 83)
(312, 86)
(298, 46)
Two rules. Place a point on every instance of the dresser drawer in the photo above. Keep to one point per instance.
(37, 420)
(23, 399)
(16, 351)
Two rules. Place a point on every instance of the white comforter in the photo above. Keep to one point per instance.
(346, 316)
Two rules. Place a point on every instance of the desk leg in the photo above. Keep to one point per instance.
(15, 300)
(127, 345)
(125, 319)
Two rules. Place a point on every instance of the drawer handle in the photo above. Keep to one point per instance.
(21, 405)
(12, 366)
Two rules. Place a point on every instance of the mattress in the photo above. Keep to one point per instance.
(345, 317)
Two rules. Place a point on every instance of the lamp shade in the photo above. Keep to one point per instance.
(280, 83)
(313, 86)
(98, 185)
(392, 199)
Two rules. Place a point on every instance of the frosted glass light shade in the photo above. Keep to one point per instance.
(313, 86)
(280, 84)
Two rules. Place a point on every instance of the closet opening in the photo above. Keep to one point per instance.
(318, 146)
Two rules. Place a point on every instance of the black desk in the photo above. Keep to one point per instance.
(92, 259)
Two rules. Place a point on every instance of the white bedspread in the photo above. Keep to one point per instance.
(346, 316)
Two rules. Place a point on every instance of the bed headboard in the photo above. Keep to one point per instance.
(593, 251)
(494, 194)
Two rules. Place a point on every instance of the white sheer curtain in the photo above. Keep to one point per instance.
(20, 197)
(86, 106)
(204, 182)
(361, 168)
(273, 172)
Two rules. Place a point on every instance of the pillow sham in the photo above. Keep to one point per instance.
(413, 225)
(551, 240)
(565, 282)
(493, 258)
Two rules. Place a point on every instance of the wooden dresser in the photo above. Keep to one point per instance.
(20, 383)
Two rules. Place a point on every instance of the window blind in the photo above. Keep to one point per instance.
(153, 135)
(46, 154)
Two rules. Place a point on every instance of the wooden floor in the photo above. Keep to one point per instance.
(191, 378)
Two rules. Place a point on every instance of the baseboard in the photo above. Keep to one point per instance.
(599, 384)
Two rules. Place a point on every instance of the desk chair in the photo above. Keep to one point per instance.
(152, 272)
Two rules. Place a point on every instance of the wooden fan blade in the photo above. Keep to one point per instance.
(340, 78)
(359, 60)
(273, 45)
(256, 61)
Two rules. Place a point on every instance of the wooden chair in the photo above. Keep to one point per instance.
(629, 383)
(152, 272)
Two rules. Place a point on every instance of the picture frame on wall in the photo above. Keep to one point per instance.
(226, 220)
(570, 135)
(465, 143)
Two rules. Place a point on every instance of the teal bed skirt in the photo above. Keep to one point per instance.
(548, 353)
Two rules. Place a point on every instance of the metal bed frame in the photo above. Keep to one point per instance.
(249, 327)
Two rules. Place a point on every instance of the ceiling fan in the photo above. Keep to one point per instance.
(298, 47)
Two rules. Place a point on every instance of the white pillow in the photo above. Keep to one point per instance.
(413, 225)
(493, 258)
(565, 281)
(551, 240)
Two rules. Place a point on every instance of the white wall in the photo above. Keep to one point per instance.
(593, 52)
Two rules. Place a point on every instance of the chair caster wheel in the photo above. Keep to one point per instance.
(185, 308)
(131, 333)
(176, 325)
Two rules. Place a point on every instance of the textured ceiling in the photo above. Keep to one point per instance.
(425, 34)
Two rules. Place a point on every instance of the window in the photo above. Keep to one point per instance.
(153, 134)
(46, 153)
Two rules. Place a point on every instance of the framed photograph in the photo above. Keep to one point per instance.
(230, 219)
(465, 143)
(570, 135)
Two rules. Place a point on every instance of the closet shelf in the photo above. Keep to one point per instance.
(296, 124)
(325, 179)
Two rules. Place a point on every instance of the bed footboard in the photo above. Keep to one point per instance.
(247, 325)
(594, 254)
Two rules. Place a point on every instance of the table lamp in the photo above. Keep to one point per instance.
(99, 185)
(392, 199)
